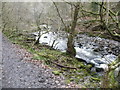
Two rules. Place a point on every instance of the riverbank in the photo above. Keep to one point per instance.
(80, 75)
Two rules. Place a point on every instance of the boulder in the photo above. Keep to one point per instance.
(101, 68)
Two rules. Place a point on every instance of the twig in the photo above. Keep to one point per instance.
(59, 14)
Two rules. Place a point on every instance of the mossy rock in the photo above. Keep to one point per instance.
(80, 65)
(89, 66)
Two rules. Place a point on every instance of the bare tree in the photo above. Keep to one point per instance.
(37, 17)
(71, 29)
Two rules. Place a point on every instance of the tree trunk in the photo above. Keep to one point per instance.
(101, 14)
(70, 44)
(105, 83)
(37, 41)
(107, 12)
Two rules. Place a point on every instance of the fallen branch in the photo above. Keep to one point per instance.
(63, 65)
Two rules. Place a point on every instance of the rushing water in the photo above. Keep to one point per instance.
(95, 50)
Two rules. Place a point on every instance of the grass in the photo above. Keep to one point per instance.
(47, 55)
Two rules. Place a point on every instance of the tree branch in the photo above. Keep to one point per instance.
(59, 14)
(90, 12)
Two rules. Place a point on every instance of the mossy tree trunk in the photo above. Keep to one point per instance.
(101, 14)
(109, 78)
(70, 44)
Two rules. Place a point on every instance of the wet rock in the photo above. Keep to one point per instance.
(117, 72)
(80, 45)
(99, 69)
(45, 36)
(44, 43)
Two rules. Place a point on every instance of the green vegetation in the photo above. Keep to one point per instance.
(56, 72)
(95, 79)
(110, 79)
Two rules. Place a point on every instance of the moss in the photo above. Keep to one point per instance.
(79, 76)
(67, 81)
(112, 81)
(89, 66)
(80, 65)
(87, 85)
(77, 80)
(94, 78)
(71, 79)
(80, 70)
(37, 57)
(56, 72)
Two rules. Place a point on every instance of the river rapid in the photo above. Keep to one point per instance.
(95, 50)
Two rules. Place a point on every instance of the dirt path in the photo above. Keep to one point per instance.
(18, 73)
(0, 60)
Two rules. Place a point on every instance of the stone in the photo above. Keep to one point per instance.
(117, 71)
(45, 36)
(99, 69)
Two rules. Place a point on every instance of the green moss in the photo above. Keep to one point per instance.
(95, 79)
(89, 66)
(56, 72)
(67, 81)
(37, 57)
(77, 80)
(71, 79)
(112, 82)
(80, 65)
(80, 70)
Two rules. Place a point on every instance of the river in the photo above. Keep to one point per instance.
(94, 50)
